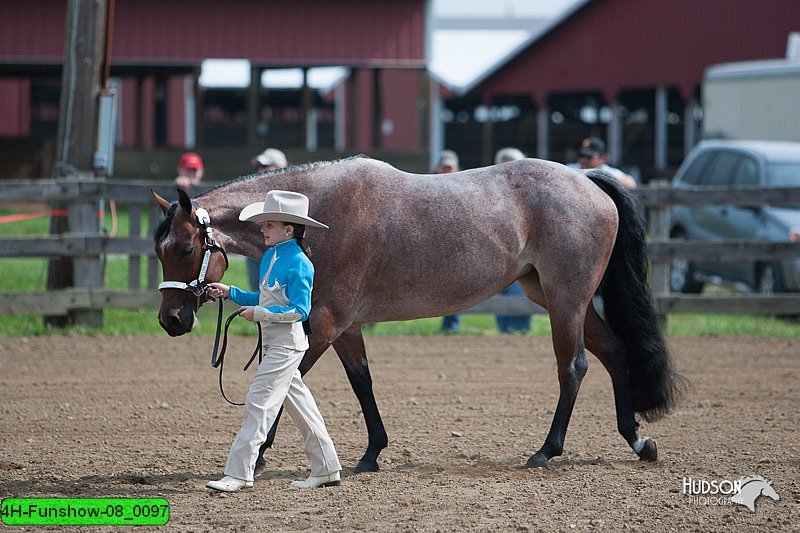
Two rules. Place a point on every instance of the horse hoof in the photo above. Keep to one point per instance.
(649, 451)
(537, 460)
(366, 466)
(260, 464)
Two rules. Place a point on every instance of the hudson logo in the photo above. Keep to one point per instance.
(743, 491)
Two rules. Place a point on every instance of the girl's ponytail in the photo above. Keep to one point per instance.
(299, 233)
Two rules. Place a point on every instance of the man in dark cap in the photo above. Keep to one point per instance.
(592, 154)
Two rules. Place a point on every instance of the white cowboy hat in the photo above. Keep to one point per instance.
(281, 206)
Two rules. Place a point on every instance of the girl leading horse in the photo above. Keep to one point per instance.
(404, 246)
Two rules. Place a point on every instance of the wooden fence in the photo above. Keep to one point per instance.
(86, 245)
(661, 250)
(88, 249)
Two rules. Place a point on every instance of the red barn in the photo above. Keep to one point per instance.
(627, 71)
(156, 50)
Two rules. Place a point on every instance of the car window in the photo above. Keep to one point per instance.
(722, 169)
(695, 172)
(746, 173)
(783, 174)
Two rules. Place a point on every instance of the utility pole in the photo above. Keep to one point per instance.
(84, 56)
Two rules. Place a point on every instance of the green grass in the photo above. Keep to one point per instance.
(40, 226)
(689, 325)
(29, 275)
(695, 325)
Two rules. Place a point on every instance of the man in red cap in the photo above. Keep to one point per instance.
(190, 171)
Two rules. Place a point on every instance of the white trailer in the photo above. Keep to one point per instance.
(752, 100)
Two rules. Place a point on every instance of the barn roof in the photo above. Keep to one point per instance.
(614, 45)
(182, 33)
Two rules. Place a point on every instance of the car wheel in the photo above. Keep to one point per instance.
(768, 279)
(768, 282)
(765, 282)
(681, 274)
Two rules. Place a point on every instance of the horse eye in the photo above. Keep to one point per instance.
(187, 250)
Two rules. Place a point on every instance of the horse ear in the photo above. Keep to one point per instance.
(163, 204)
(184, 201)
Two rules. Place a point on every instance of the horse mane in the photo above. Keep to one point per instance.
(285, 170)
(162, 230)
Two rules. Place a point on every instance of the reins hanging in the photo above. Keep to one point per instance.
(218, 353)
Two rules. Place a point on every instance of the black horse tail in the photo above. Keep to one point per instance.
(629, 311)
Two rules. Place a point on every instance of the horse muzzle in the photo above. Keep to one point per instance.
(177, 322)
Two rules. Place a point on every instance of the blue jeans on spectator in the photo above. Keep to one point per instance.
(451, 323)
(510, 323)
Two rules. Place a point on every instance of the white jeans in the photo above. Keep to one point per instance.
(277, 382)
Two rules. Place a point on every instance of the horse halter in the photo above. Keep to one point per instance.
(198, 285)
(198, 288)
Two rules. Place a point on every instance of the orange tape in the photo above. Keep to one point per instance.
(52, 213)
(21, 216)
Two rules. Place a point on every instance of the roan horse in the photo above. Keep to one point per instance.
(403, 246)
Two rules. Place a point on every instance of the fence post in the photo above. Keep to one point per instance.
(87, 270)
(658, 223)
(84, 55)
(134, 261)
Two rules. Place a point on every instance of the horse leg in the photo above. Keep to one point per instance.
(566, 321)
(353, 354)
(602, 343)
(567, 325)
(260, 461)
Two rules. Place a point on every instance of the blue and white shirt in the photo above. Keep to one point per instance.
(284, 299)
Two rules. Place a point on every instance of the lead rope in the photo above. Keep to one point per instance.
(219, 360)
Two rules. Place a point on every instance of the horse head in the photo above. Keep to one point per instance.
(751, 488)
(190, 259)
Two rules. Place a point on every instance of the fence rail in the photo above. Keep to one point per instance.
(662, 250)
(136, 195)
(74, 245)
(61, 302)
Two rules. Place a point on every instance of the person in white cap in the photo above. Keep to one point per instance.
(269, 159)
(447, 164)
(281, 305)
(511, 323)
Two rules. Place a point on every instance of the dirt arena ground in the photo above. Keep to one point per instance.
(142, 417)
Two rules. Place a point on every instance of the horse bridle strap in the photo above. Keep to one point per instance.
(219, 360)
(197, 286)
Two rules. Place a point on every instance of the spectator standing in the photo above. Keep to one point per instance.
(448, 163)
(511, 323)
(592, 154)
(269, 159)
(190, 171)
